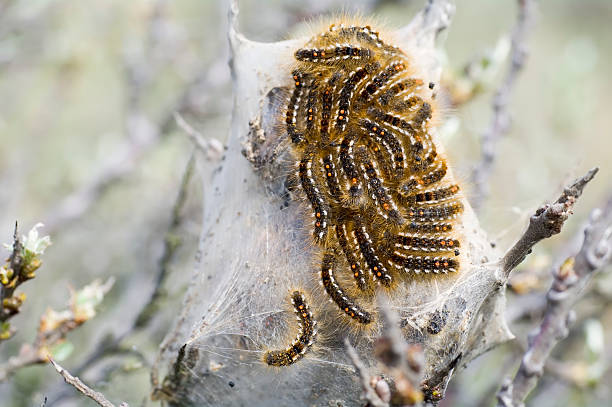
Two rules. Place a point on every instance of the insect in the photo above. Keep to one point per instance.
(382, 203)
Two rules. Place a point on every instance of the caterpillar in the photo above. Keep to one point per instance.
(304, 339)
(380, 199)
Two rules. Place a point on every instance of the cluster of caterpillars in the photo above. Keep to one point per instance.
(383, 205)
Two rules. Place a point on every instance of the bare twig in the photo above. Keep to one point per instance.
(20, 267)
(142, 134)
(171, 244)
(28, 356)
(114, 345)
(82, 387)
(401, 362)
(158, 390)
(368, 394)
(568, 286)
(120, 163)
(546, 222)
(500, 121)
(210, 147)
(15, 264)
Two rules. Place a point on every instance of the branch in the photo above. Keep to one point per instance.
(82, 387)
(500, 122)
(368, 394)
(210, 147)
(568, 286)
(110, 345)
(54, 327)
(20, 267)
(425, 27)
(401, 362)
(546, 222)
(28, 356)
(171, 245)
(144, 136)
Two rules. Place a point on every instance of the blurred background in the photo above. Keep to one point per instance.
(89, 146)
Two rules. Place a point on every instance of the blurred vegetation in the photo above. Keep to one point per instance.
(87, 93)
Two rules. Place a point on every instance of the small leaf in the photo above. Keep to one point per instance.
(5, 331)
(33, 244)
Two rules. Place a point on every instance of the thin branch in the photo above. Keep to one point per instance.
(55, 326)
(425, 27)
(546, 222)
(82, 387)
(27, 356)
(110, 345)
(368, 393)
(120, 163)
(15, 263)
(568, 286)
(171, 244)
(211, 147)
(500, 122)
(401, 361)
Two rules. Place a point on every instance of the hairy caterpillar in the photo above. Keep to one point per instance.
(381, 200)
(303, 341)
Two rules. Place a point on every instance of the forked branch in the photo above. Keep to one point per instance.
(567, 287)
